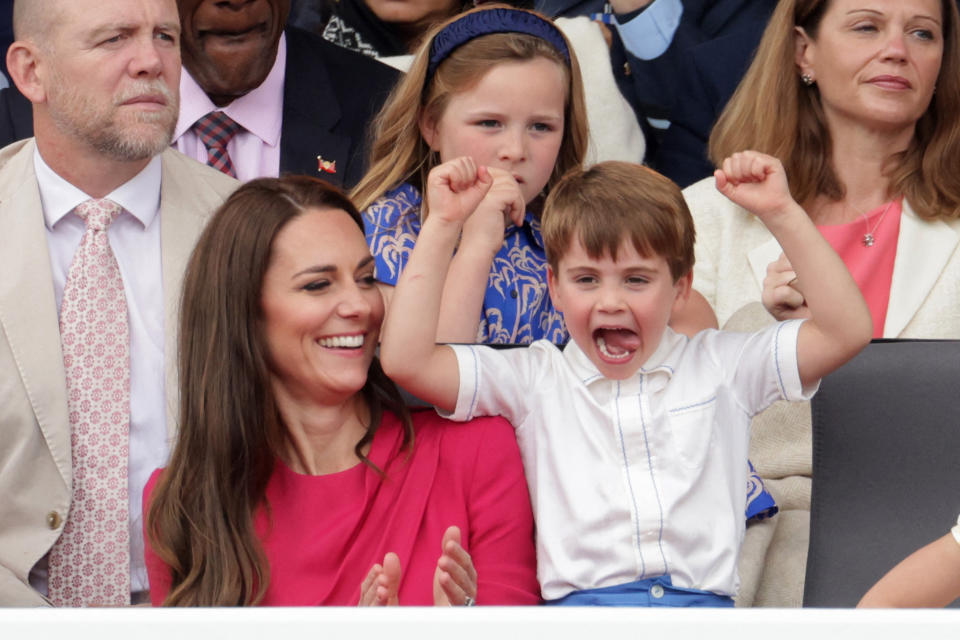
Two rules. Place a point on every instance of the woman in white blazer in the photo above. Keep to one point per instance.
(859, 100)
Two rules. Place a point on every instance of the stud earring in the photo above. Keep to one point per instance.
(806, 79)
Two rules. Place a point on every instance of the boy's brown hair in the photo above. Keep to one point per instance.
(611, 201)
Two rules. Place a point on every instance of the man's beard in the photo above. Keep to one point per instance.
(144, 134)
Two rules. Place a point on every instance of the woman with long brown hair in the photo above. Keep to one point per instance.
(299, 477)
(859, 100)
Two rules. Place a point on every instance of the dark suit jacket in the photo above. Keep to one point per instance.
(6, 32)
(652, 86)
(711, 73)
(16, 116)
(330, 95)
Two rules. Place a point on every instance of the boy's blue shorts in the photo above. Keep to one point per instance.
(652, 592)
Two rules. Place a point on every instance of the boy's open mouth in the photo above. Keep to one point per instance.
(616, 345)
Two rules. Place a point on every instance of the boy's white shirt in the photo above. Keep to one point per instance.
(642, 477)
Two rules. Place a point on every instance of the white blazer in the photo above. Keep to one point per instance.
(733, 250)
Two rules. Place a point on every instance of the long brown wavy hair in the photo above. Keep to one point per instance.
(201, 518)
(398, 152)
(773, 112)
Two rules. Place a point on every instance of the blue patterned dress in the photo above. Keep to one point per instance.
(516, 307)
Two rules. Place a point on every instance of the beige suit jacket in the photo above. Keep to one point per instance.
(35, 457)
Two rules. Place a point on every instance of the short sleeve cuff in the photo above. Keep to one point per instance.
(788, 372)
(956, 531)
(649, 35)
(468, 364)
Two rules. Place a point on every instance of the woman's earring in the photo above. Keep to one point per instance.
(806, 79)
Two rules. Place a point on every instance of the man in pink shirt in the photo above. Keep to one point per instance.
(295, 103)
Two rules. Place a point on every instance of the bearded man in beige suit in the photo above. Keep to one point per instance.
(103, 79)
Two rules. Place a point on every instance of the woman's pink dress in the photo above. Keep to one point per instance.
(323, 533)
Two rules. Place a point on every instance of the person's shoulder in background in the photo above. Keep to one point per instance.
(711, 73)
(330, 86)
(16, 116)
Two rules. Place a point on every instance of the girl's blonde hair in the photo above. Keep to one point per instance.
(774, 112)
(398, 152)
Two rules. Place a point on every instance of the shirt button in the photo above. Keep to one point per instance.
(656, 591)
(53, 520)
(626, 69)
(513, 293)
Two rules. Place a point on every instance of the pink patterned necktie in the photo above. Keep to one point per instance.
(90, 562)
(216, 130)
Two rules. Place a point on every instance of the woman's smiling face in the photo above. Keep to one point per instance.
(321, 307)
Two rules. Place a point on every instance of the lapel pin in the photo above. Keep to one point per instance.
(326, 166)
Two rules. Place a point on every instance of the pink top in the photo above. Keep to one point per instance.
(870, 266)
(327, 531)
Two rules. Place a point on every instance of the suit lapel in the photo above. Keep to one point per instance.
(28, 308)
(310, 114)
(184, 210)
(923, 249)
(713, 16)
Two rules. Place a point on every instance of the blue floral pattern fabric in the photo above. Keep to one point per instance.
(516, 307)
(760, 504)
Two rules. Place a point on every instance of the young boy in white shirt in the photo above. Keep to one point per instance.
(634, 438)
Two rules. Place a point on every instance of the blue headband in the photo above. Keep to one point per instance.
(481, 23)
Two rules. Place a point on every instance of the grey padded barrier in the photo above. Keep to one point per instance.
(886, 464)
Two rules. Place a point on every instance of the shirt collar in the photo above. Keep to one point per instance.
(139, 196)
(657, 370)
(260, 112)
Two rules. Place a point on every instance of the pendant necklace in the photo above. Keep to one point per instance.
(868, 238)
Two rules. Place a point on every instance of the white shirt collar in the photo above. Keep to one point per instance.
(139, 196)
(658, 368)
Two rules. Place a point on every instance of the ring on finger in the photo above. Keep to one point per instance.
(468, 601)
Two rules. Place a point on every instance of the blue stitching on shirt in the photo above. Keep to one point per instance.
(476, 382)
(626, 468)
(776, 358)
(694, 406)
(653, 480)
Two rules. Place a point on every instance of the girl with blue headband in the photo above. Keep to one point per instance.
(500, 85)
